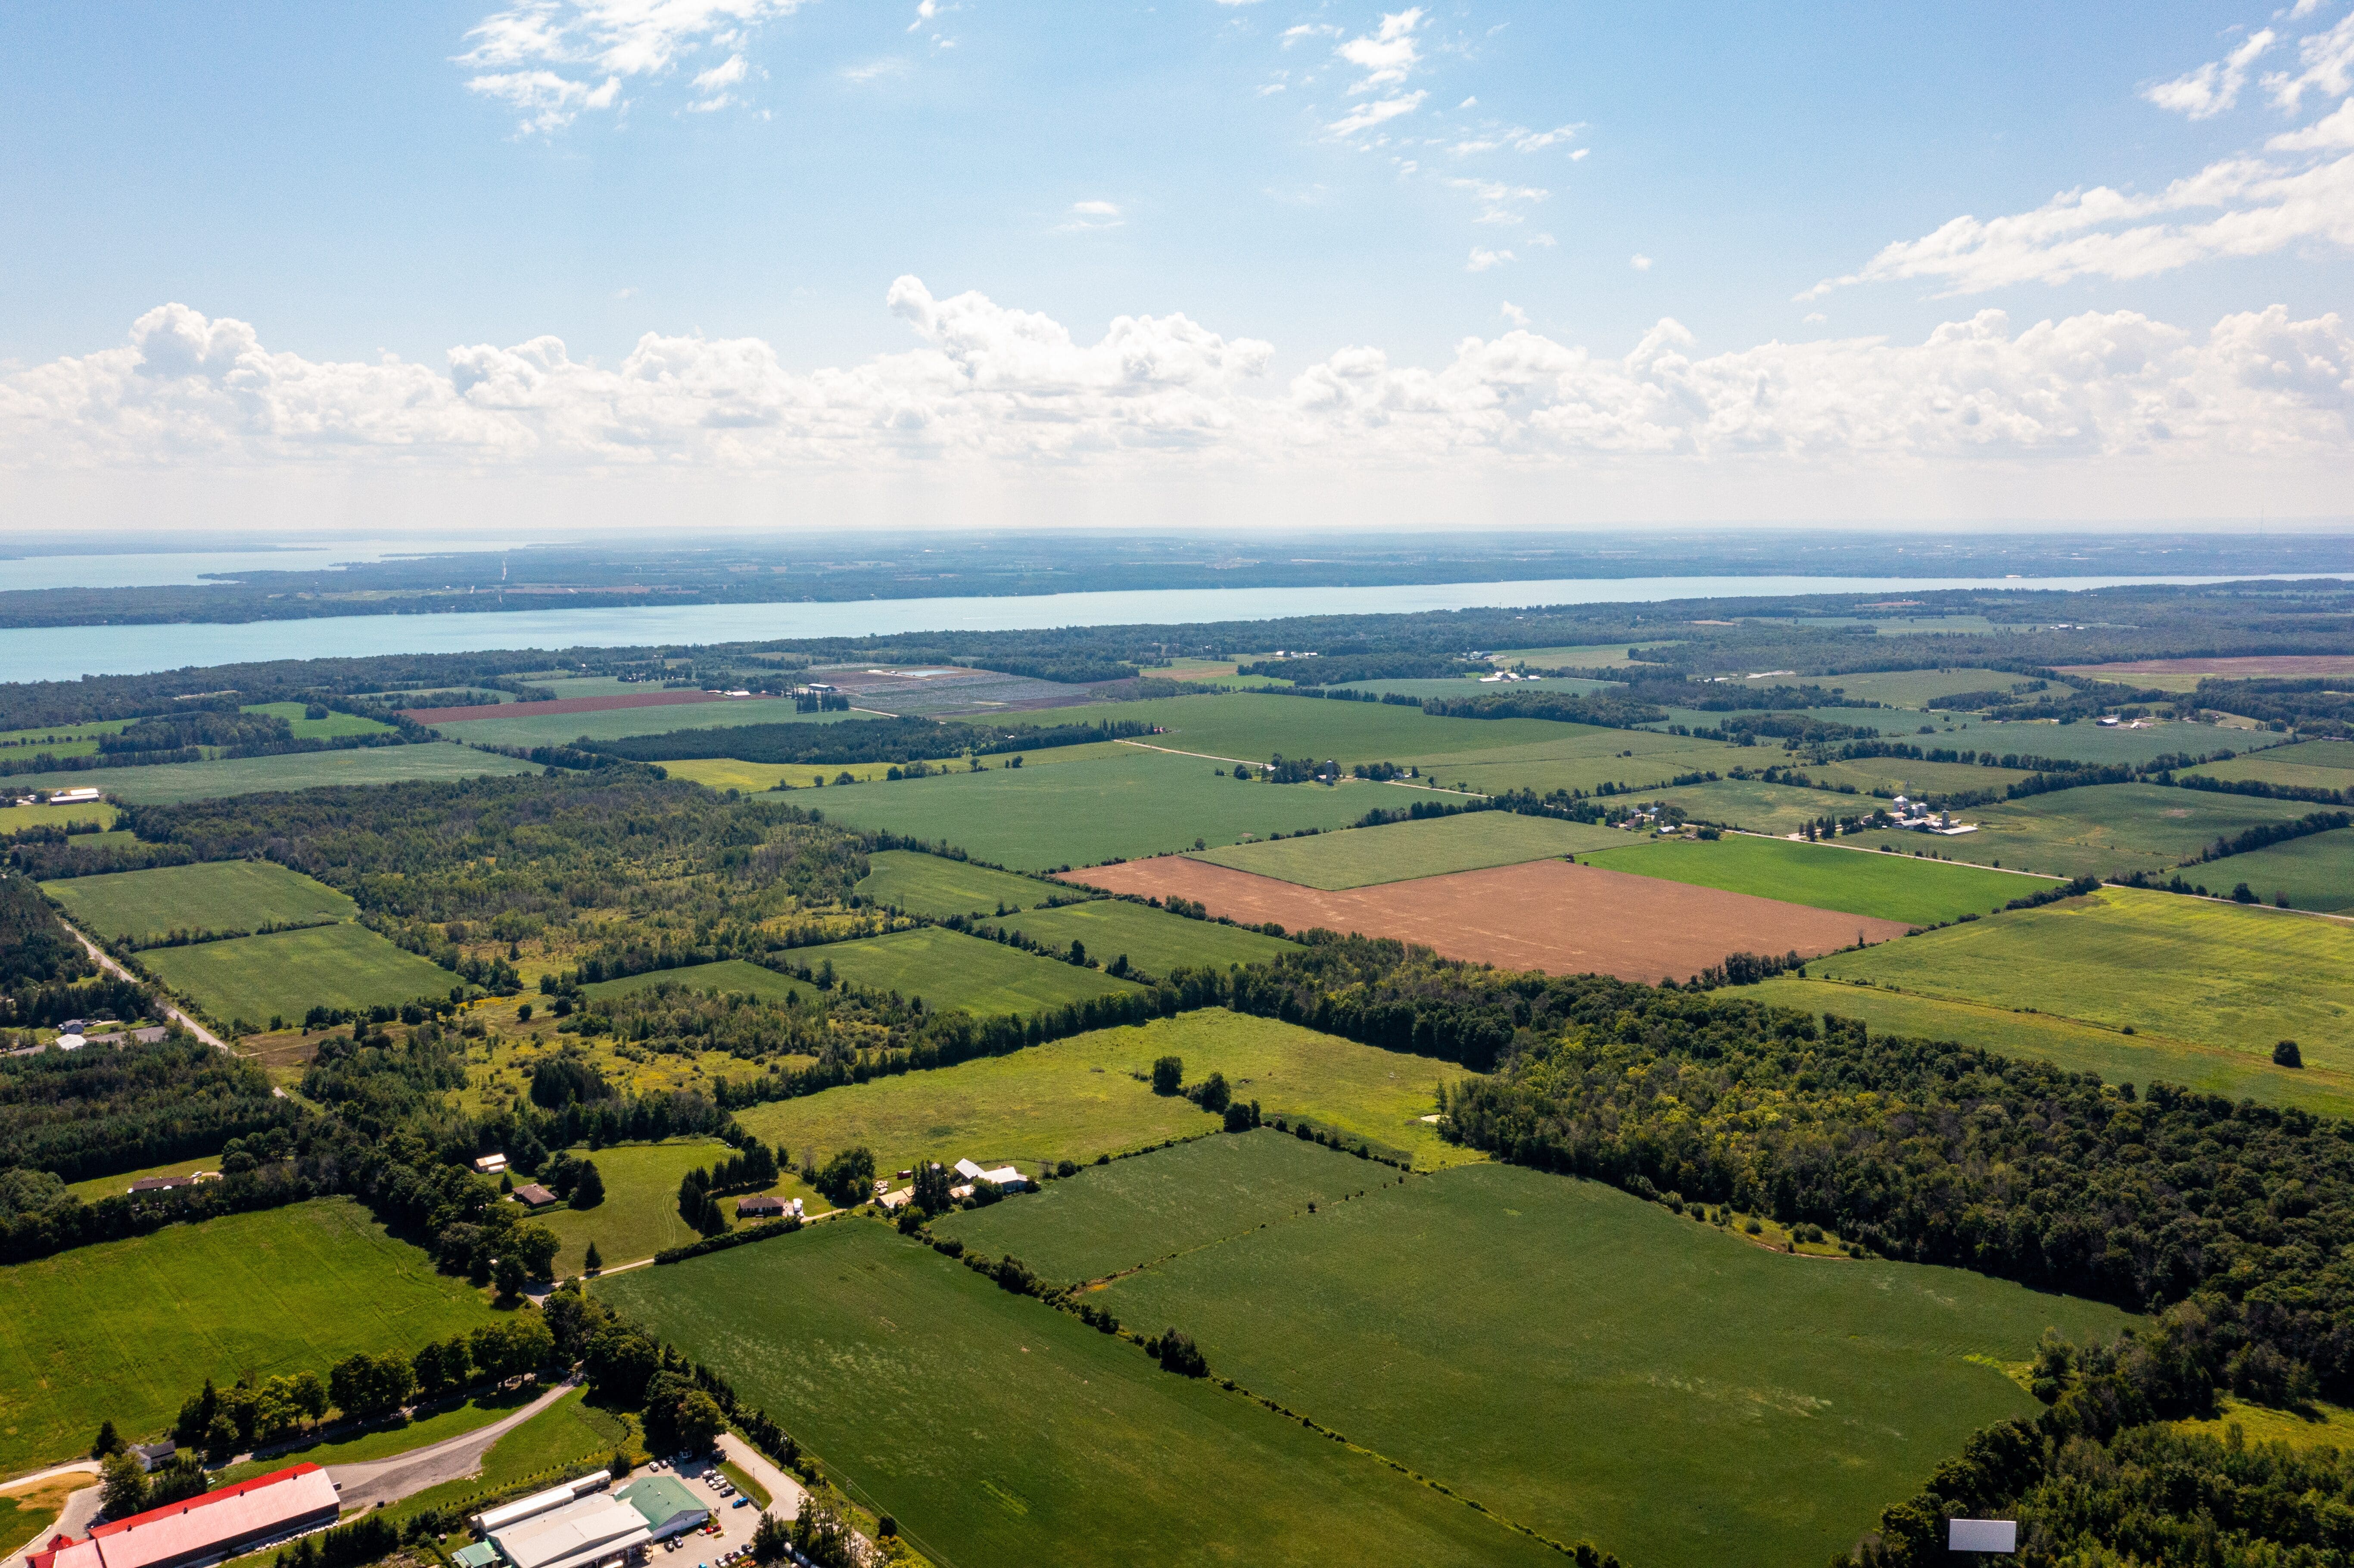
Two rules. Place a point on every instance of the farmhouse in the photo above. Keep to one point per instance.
(759, 1208)
(1006, 1176)
(532, 1195)
(165, 1183)
(224, 1523)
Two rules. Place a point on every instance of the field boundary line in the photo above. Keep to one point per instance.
(1861, 849)
(174, 1015)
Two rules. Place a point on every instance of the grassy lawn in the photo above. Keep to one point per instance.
(2311, 764)
(1153, 941)
(616, 723)
(1011, 1434)
(1089, 1094)
(1132, 1213)
(13, 819)
(2316, 872)
(736, 976)
(1823, 876)
(285, 973)
(2326, 1425)
(2188, 968)
(28, 1510)
(1398, 851)
(2143, 1057)
(394, 1436)
(1763, 808)
(937, 887)
(951, 971)
(172, 783)
(99, 1187)
(569, 1438)
(212, 896)
(1130, 805)
(125, 1330)
(639, 1214)
(335, 726)
(2111, 830)
(1590, 1364)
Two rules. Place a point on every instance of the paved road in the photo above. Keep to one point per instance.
(367, 1483)
(785, 1493)
(174, 1013)
(73, 1519)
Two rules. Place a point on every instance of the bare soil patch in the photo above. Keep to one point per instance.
(561, 706)
(2257, 664)
(1546, 915)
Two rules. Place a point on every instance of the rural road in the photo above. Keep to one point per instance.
(174, 1013)
(785, 1494)
(72, 1520)
(365, 1484)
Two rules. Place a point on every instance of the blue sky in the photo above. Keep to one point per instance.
(1301, 183)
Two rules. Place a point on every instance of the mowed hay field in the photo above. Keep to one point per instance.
(938, 887)
(2316, 872)
(1544, 914)
(2143, 1057)
(1152, 940)
(1757, 808)
(2188, 968)
(15, 819)
(1002, 1433)
(2308, 765)
(172, 783)
(951, 971)
(1860, 881)
(125, 1330)
(1592, 1365)
(2110, 829)
(1092, 1093)
(1074, 813)
(287, 973)
(729, 977)
(1397, 852)
(212, 896)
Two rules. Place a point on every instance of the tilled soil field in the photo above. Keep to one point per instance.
(1547, 915)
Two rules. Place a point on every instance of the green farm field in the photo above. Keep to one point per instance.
(1132, 1213)
(2093, 743)
(951, 971)
(13, 819)
(729, 977)
(335, 726)
(2316, 872)
(1590, 1365)
(1252, 727)
(1153, 940)
(1911, 688)
(2142, 1058)
(2111, 830)
(1081, 813)
(1825, 876)
(171, 784)
(1091, 1094)
(894, 1359)
(1762, 807)
(124, 1330)
(2308, 765)
(1903, 775)
(937, 887)
(211, 896)
(639, 1214)
(1580, 757)
(56, 737)
(287, 973)
(618, 724)
(1588, 656)
(1399, 852)
(2188, 968)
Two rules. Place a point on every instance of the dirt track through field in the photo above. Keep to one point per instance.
(1546, 915)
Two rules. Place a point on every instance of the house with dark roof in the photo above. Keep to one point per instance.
(533, 1196)
(759, 1208)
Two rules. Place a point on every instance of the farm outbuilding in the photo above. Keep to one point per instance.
(228, 1522)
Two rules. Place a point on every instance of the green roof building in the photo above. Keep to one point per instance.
(668, 1506)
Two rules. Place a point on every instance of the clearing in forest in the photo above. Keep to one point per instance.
(211, 896)
(939, 886)
(952, 971)
(285, 974)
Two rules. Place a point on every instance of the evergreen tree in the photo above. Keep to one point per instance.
(592, 1260)
(109, 1442)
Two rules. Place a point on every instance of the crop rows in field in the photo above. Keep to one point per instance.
(210, 895)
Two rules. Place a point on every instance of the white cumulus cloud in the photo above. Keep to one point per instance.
(1387, 54)
(552, 60)
(2214, 86)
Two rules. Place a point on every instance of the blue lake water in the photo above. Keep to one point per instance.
(55, 653)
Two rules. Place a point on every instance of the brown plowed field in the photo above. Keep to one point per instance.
(2258, 664)
(561, 706)
(1546, 915)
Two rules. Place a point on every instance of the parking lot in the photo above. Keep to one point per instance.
(727, 1535)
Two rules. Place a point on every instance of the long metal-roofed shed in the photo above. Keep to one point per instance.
(219, 1524)
(587, 1534)
(665, 1504)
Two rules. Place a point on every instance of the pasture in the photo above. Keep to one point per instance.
(1399, 852)
(937, 887)
(639, 1214)
(1589, 1364)
(1137, 803)
(737, 977)
(1542, 915)
(2308, 765)
(889, 1360)
(2316, 872)
(2143, 1057)
(210, 895)
(1152, 940)
(2111, 830)
(171, 783)
(2094, 744)
(1092, 1093)
(125, 1330)
(1884, 887)
(335, 726)
(286, 973)
(13, 819)
(952, 971)
(2188, 968)
(1132, 1213)
(1910, 688)
(528, 728)
(1904, 776)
